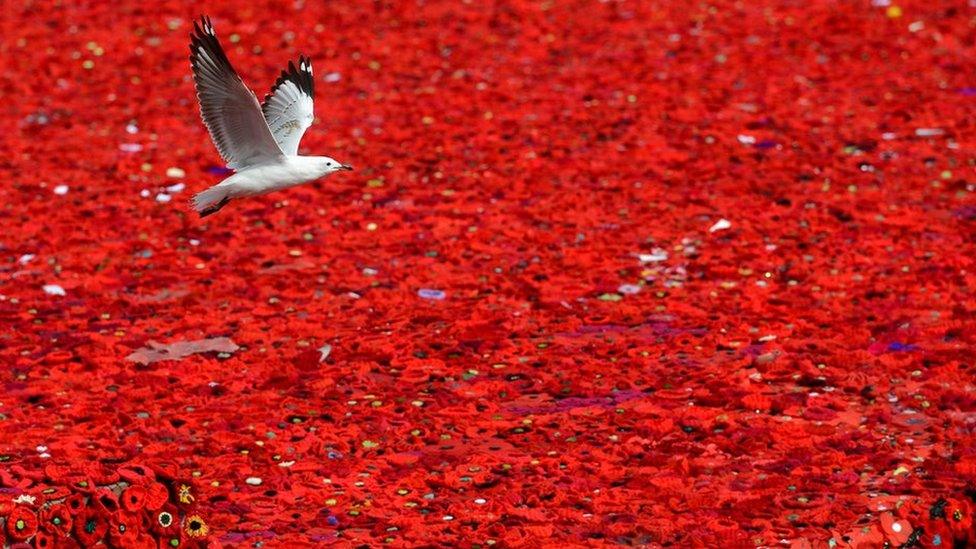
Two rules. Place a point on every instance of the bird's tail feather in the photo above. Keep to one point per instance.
(209, 198)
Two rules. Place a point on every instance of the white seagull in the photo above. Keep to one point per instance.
(259, 142)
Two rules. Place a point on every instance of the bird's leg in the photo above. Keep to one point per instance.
(215, 208)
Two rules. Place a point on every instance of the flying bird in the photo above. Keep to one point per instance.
(258, 141)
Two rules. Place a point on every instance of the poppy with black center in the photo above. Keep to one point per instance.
(75, 503)
(165, 519)
(196, 527)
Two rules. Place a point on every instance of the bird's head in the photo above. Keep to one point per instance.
(330, 165)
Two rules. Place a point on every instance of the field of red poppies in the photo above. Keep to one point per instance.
(608, 272)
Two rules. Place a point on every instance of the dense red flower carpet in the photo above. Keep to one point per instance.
(607, 273)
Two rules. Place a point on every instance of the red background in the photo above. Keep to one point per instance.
(805, 374)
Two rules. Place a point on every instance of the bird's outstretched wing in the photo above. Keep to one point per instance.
(230, 111)
(288, 107)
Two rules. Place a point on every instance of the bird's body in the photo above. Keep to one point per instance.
(281, 173)
(259, 142)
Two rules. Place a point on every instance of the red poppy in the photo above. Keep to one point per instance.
(103, 474)
(896, 530)
(75, 504)
(166, 521)
(106, 500)
(196, 527)
(143, 541)
(136, 473)
(156, 496)
(165, 470)
(84, 485)
(134, 498)
(866, 537)
(21, 523)
(57, 519)
(90, 526)
(959, 517)
(67, 543)
(169, 542)
(53, 493)
(55, 473)
(44, 540)
(123, 529)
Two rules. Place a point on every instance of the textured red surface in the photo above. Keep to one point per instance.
(600, 368)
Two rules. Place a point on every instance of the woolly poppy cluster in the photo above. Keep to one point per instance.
(134, 508)
(607, 272)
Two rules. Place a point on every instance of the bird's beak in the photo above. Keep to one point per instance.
(346, 167)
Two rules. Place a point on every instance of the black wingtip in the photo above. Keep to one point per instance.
(300, 75)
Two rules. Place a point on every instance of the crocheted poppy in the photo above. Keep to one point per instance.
(57, 519)
(44, 540)
(75, 504)
(156, 496)
(134, 498)
(143, 541)
(53, 493)
(106, 500)
(896, 530)
(123, 529)
(165, 522)
(960, 517)
(21, 523)
(170, 542)
(102, 474)
(84, 484)
(90, 526)
(195, 526)
(136, 473)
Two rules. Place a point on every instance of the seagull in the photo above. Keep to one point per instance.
(258, 141)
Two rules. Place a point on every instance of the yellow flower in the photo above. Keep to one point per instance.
(184, 495)
(195, 527)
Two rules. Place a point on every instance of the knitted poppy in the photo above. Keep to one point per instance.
(165, 521)
(90, 526)
(21, 523)
(123, 529)
(169, 542)
(136, 473)
(869, 536)
(156, 496)
(143, 541)
(959, 516)
(134, 498)
(107, 500)
(57, 519)
(44, 540)
(896, 530)
(195, 527)
(53, 493)
(102, 474)
(75, 504)
(84, 484)
(165, 470)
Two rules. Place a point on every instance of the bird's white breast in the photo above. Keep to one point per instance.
(265, 178)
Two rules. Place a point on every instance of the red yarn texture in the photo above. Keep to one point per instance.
(607, 273)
